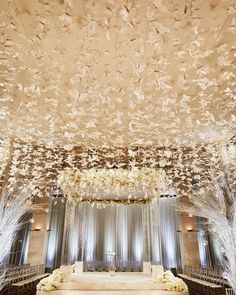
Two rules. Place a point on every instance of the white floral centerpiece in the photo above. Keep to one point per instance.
(52, 282)
(171, 283)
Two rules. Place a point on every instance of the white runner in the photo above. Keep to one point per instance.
(104, 284)
(110, 292)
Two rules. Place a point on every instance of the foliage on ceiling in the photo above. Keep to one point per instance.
(105, 75)
(117, 72)
(185, 167)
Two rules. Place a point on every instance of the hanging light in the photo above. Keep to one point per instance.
(32, 220)
(57, 192)
(205, 243)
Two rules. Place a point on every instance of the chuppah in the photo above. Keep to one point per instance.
(139, 191)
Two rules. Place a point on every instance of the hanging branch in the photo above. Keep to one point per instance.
(218, 205)
(13, 206)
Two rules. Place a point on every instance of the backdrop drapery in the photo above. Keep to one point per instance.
(136, 233)
(169, 223)
(19, 249)
(94, 232)
(209, 248)
(56, 232)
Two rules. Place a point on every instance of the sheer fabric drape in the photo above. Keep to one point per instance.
(133, 232)
(19, 249)
(55, 237)
(96, 232)
(209, 248)
(171, 256)
(136, 233)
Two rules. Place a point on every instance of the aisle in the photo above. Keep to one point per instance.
(111, 292)
(101, 283)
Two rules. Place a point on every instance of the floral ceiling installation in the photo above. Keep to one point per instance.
(117, 73)
(184, 166)
(100, 184)
(103, 84)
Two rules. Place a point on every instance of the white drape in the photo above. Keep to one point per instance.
(55, 238)
(113, 228)
(169, 235)
(209, 248)
(136, 233)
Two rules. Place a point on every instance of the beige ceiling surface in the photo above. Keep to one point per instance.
(118, 72)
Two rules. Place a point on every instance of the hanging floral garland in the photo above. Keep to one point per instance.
(123, 185)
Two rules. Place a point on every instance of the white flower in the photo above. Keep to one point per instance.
(76, 183)
(171, 283)
(51, 282)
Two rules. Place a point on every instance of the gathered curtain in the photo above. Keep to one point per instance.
(19, 249)
(209, 248)
(135, 233)
(56, 233)
(96, 232)
(169, 225)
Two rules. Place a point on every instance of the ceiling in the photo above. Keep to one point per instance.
(118, 72)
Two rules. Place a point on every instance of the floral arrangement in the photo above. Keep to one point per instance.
(171, 283)
(52, 282)
(176, 285)
(98, 182)
(165, 277)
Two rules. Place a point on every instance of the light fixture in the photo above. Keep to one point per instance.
(32, 220)
(57, 192)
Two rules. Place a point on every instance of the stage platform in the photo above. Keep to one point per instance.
(101, 283)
